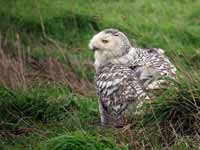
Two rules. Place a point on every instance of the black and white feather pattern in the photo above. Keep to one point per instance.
(149, 64)
(117, 87)
(154, 58)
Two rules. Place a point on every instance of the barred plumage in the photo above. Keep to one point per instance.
(149, 64)
(117, 87)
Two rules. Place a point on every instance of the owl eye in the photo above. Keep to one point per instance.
(105, 41)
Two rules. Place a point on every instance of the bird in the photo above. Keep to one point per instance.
(124, 73)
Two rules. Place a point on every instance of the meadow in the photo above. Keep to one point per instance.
(47, 89)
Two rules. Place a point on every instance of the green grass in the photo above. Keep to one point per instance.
(46, 110)
(78, 141)
(49, 112)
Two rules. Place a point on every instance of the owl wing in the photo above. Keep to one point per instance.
(158, 61)
(151, 64)
(117, 86)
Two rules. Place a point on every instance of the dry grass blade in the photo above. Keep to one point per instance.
(12, 71)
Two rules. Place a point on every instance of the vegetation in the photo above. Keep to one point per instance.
(47, 94)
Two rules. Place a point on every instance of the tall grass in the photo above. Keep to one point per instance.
(176, 112)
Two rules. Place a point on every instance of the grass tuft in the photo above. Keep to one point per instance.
(77, 141)
(175, 112)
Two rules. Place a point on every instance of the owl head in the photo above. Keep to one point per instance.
(109, 44)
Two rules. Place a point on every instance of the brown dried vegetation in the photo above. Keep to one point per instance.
(22, 71)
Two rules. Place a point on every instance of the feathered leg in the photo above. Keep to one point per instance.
(122, 131)
(103, 114)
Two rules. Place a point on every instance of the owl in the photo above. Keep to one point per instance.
(124, 73)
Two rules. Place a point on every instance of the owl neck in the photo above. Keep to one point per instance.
(102, 59)
(126, 59)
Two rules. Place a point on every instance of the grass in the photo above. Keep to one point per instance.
(78, 141)
(47, 94)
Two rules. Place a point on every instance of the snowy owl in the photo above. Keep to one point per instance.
(124, 73)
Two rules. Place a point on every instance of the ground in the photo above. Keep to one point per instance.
(47, 93)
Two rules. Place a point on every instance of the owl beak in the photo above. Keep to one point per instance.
(94, 48)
